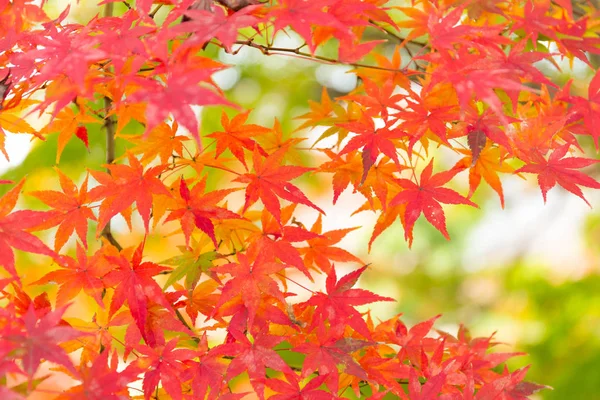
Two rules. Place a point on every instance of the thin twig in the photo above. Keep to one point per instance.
(268, 50)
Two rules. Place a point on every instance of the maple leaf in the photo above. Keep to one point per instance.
(328, 350)
(253, 357)
(100, 380)
(203, 299)
(11, 122)
(345, 171)
(162, 142)
(379, 180)
(275, 241)
(536, 20)
(270, 180)
(198, 210)
(12, 234)
(320, 251)
(68, 123)
(509, 386)
(487, 164)
(100, 337)
(393, 70)
(121, 38)
(191, 264)
(337, 305)
(82, 274)
(208, 372)
(290, 389)
(274, 140)
(132, 282)
(163, 364)
(430, 390)
(472, 76)
(70, 214)
(385, 219)
(557, 169)
(205, 25)
(237, 136)
(589, 108)
(425, 197)
(158, 320)
(181, 90)
(425, 113)
(377, 100)
(127, 184)
(250, 281)
(372, 141)
(331, 114)
(64, 54)
(302, 15)
(40, 338)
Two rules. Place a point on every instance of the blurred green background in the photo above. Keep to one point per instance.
(529, 272)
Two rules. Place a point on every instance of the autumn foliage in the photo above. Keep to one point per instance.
(463, 79)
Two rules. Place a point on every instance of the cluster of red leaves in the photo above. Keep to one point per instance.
(471, 88)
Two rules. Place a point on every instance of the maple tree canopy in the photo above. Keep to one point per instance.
(438, 80)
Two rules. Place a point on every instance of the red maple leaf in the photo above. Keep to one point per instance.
(127, 184)
(163, 364)
(101, 380)
(337, 305)
(250, 282)
(302, 15)
(425, 197)
(326, 351)
(270, 180)
(290, 389)
(132, 282)
(71, 213)
(198, 210)
(208, 372)
(510, 386)
(205, 25)
(275, 241)
(12, 232)
(589, 108)
(253, 358)
(558, 169)
(181, 90)
(372, 141)
(40, 340)
(430, 390)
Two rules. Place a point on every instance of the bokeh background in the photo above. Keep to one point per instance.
(528, 273)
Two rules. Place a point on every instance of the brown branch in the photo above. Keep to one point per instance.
(269, 50)
(109, 126)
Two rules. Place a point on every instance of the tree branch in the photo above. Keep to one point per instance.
(109, 127)
(269, 50)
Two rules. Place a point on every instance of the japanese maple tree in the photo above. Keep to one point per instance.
(462, 79)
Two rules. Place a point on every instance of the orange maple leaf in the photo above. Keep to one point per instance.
(270, 180)
(67, 123)
(237, 136)
(70, 212)
(127, 184)
(85, 274)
